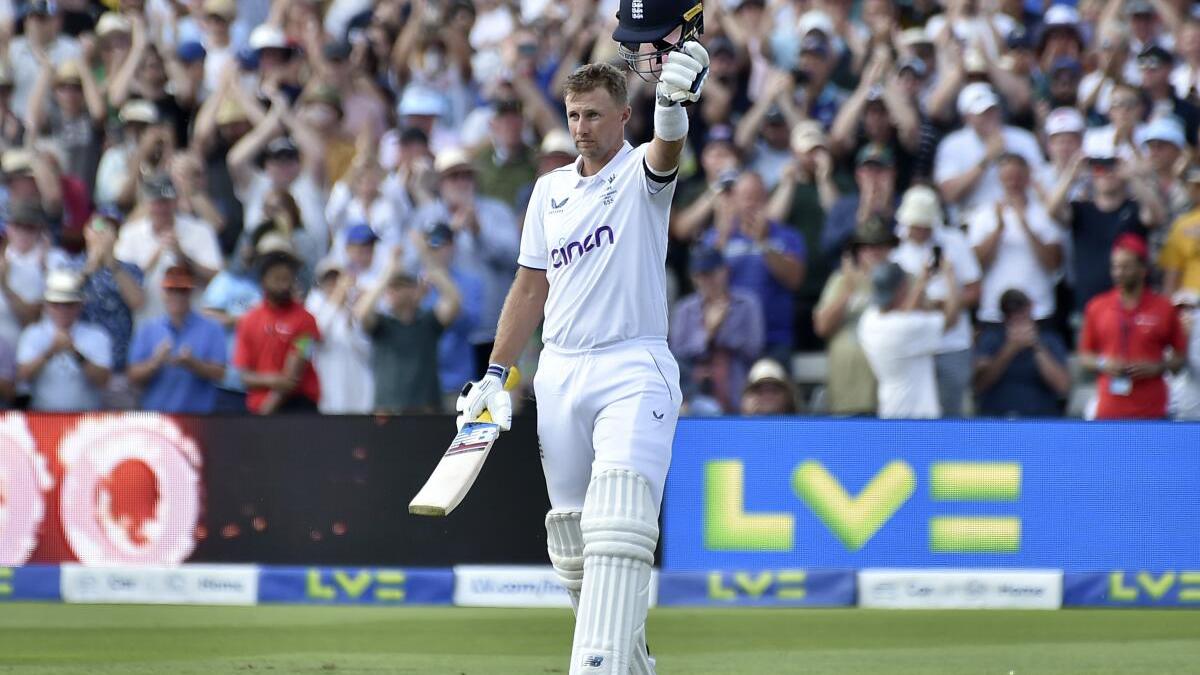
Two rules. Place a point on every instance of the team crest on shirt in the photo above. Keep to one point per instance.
(611, 192)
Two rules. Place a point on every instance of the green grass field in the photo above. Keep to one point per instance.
(99, 639)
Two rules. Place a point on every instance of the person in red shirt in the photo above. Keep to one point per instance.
(1131, 337)
(275, 340)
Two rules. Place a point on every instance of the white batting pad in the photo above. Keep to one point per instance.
(620, 533)
(564, 541)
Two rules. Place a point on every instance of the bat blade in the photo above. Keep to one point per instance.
(457, 470)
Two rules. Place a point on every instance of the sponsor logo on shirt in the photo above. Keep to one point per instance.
(568, 253)
(557, 206)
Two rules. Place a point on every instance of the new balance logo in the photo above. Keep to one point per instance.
(554, 206)
(569, 253)
(593, 661)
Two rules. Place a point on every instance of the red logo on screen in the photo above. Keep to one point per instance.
(103, 489)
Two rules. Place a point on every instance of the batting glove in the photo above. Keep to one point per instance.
(486, 394)
(683, 74)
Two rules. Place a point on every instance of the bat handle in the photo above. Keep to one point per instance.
(510, 383)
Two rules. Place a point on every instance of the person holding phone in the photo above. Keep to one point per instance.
(925, 242)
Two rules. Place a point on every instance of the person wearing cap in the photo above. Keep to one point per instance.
(343, 358)
(1180, 255)
(504, 163)
(1119, 202)
(139, 131)
(359, 198)
(875, 177)
(360, 257)
(1131, 338)
(423, 108)
(852, 388)
(881, 115)
(75, 120)
(487, 237)
(177, 359)
(965, 168)
(765, 258)
(293, 164)
(1059, 36)
(322, 111)
(716, 333)
(456, 353)
(768, 391)
(276, 339)
(43, 33)
(924, 240)
(900, 334)
(165, 238)
(1021, 366)
(1017, 244)
(277, 57)
(1156, 65)
(405, 340)
(1063, 130)
(1163, 145)
(112, 291)
(22, 274)
(216, 21)
(65, 362)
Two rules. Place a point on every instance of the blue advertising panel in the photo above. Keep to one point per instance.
(1133, 588)
(849, 494)
(31, 582)
(757, 588)
(356, 585)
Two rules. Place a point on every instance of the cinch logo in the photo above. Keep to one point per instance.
(855, 519)
(566, 254)
(340, 586)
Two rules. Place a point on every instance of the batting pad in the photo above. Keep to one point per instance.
(620, 533)
(564, 541)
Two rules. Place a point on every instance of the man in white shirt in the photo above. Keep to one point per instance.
(42, 26)
(924, 242)
(592, 256)
(900, 336)
(1017, 244)
(22, 269)
(65, 361)
(165, 238)
(965, 168)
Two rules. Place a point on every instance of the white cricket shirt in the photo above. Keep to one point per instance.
(602, 240)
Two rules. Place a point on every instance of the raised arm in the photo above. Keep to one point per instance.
(681, 81)
(122, 80)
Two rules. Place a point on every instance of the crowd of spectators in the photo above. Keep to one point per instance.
(971, 207)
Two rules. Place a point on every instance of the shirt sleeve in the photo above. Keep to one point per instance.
(28, 346)
(980, 224)
(790, 241)
(1089, 337)
(96, 347)
(1171, 256)
(653, 182)
(140, 348)
(205, 249)
(917, 333)
(946, 163)
(243, 346)
(534, 253)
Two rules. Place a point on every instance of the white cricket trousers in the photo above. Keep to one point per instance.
(612, 407)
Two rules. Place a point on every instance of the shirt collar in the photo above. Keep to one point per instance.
(605, 172)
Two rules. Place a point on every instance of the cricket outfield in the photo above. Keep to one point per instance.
(101, 639)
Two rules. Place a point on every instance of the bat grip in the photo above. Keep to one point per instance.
(510, 383)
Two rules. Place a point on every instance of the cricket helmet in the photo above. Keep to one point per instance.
(648, 23)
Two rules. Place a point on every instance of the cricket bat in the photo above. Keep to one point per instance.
(460, 465)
